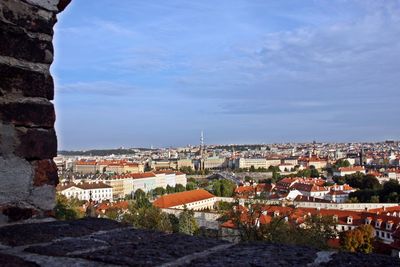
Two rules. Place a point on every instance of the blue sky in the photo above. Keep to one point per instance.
(139, 73)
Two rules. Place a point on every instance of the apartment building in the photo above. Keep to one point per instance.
(349, 170)
(247, 163)
(97, 191)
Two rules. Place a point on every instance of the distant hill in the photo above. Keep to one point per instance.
(102, 152)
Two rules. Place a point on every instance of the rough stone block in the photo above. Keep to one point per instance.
(15, 179)
(51, 5)
(7, 139)
(45, 172)
(28, 113)
(14, 261)
(15, 42)
(36, 143)
(18, 214)
(26, 82)
(43, 197)
(17, 235)
(27, 16)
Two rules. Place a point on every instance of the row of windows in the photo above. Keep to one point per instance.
(382, 234)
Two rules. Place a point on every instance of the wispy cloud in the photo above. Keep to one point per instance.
(325, 65)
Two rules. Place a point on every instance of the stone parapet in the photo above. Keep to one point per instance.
(101, 242)
(28, 141)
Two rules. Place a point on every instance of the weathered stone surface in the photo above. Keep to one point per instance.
(27, 16)
(15, 179)
(100, 242)
(34, 66)
(129, 235)
(46, 4)
(43, 197)
(28, 113)
(353, 259)
(17, 214)
(152, 250)
(15, 42)
(36, 143)
(7, 139)
(63, 4)
(45, 172)
(259, 254)
(13, 261)
(24, 234)
(14, 80)
(65, 247)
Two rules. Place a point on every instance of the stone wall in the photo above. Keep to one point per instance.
(28, 142)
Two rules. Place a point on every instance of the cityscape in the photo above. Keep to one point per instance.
(199, 133)
(353, 184)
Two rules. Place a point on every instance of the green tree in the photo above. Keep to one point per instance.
(147, 217)
(141, 198)
(341, 163)
(190, 186)
(159, 191)
(68, 208)
(179, 188)
(275, 177)
(314, 231)
(223, 188)
(358, 240)
(224, 206)
(313, 172)
(216, 188)
(170, 189)
(187, 222)
(375, 199)
(174, 222)
(390, 190)
(112, 214)
(192, 180)
(393, 197)
(352, 200)
(187, 169)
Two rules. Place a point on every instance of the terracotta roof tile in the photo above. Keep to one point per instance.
(182, 198)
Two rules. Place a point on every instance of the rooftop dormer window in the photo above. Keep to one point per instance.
(335, 218)
(389, 225)
(368, 220)
(378, 223)
(349, 220)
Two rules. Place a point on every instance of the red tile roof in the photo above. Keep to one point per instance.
(351, 169)
(182, 198)
(134, 175)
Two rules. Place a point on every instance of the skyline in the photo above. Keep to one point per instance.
(259, 72)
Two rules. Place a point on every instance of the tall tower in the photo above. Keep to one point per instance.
(362, 155)
(202, 150)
